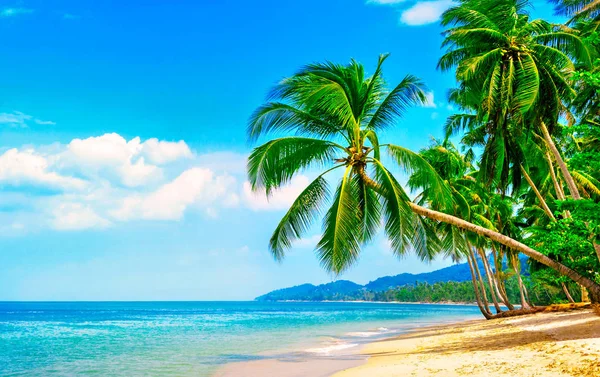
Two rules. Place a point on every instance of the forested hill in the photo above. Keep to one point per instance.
(347, 290)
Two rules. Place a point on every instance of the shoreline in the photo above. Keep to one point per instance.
(553, 344)
(326, 359)
(384, 302)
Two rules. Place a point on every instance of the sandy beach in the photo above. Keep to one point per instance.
(544, 344)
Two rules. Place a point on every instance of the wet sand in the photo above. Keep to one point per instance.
(313, 367)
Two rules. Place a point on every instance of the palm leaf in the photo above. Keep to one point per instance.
(276, 116)
(397, 214)
(529, 83)
(340, 244)
(429, 179)
(406, 94)
(274, 163)
(369, 209)
(298, 219)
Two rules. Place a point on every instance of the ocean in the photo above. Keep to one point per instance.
(191, 338)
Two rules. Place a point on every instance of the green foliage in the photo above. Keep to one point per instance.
(516, 78)
(441, 292)
(568, 241)
(513, 73)
(333, 113)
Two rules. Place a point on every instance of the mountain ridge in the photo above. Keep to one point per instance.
(339, 289)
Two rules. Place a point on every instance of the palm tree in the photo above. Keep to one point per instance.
(514, 73)
(334, 113)
(579, 8)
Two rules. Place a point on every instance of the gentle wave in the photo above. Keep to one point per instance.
(329, 349)
(368, 334)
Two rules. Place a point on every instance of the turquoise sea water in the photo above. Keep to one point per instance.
(189, 338)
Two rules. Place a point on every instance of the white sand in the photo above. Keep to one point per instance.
(542, 345)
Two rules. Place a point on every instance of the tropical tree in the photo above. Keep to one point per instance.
(328, 116)
(514, 73)
(579, 8)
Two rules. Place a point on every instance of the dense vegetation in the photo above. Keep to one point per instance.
(431, 287)
(440, 292)
(517, 172)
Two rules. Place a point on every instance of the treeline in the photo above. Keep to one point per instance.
(540, 293)
(463, 292)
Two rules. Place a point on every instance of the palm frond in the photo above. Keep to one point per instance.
(569, 43)
(340, 244)
(409, 93)
(298, 219)
(369, 209)
(398, 217)
(429, 179)
(277, 116)
(274, 163)
(528, 86)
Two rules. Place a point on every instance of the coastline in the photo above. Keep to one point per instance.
(330, 356)
(553, 344)
(384, 302)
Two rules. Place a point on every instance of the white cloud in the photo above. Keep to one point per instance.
(17, 119)
(77, 216)
(106, 150)
(279, 199)
(44, 122)
(425, 12)
(430, 100)
(105, 180)
(26, 167)
(163, 152)
(112, 156)
(10, 12)
(194, 186)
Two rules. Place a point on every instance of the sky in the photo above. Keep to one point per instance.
(123, 147)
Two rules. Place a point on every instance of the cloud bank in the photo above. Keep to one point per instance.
(103, 181)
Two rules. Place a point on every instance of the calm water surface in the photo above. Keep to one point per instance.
(189, 338)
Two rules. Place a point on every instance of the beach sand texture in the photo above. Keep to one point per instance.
(541, 345)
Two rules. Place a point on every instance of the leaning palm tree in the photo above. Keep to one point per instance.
(327, 116)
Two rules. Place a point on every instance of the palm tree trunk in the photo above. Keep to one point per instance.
(484, 297)
(593, 287)
(567, 293)
(538, 194)
(499, 281)
(585, 296)
(517, 267)
(561, 163)
(527, 296)
(560, 194)
(597, 248)
(484, 310)
(495, 282)
(488, 274)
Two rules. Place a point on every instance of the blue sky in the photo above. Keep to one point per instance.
(122, 128)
